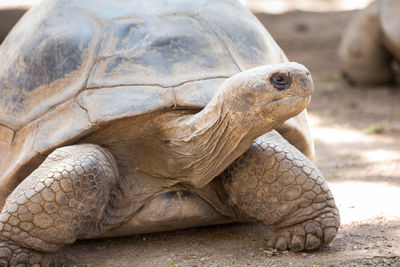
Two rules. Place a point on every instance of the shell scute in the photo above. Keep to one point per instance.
(48, 68)
(244, 36)
(139, 51)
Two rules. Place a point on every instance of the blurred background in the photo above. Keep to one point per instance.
(12, 10)
(357, 136)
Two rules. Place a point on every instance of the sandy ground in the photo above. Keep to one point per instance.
(356, 132)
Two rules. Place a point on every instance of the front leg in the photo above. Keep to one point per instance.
(275, 183)
(64, 199)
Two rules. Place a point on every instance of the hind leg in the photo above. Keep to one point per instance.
(62, 200)
(276, 184)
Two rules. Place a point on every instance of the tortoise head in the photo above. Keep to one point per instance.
(271, 92)
(247, 105)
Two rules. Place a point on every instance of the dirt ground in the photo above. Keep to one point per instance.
(356, 133)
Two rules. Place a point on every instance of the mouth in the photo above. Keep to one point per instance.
(290, 103)
(292, 99)
(284, 107)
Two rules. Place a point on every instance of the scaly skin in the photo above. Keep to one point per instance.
(62, 200)
(276, 184)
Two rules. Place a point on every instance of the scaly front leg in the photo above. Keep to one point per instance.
(61, 201)
(276, 184)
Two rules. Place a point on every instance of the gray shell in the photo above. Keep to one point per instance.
(390, 24)
(69, 66)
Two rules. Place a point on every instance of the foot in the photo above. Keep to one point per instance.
(276, 184)
(12, 254)
(309, 235)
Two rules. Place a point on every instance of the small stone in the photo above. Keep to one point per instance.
(270, 252)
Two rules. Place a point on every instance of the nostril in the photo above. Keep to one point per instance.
(308, 73)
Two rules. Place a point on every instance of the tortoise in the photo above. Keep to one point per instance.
(371, 44)
(129, 117)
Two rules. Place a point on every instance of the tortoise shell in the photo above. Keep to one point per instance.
(68, 67)
(390, 24)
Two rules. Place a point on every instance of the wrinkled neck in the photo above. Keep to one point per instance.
(202, 145)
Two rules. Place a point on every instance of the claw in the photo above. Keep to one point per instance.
(312, 242)
(281, 244)
(308, 235)
(297, 243)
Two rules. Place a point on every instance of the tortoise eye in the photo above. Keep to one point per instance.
(280, 81)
